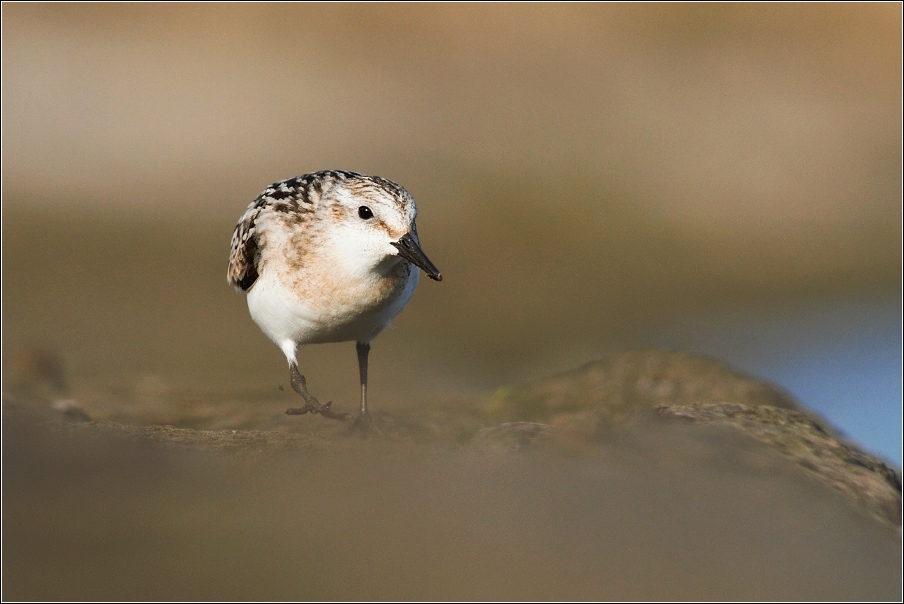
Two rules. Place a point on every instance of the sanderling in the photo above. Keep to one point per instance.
(324, 257)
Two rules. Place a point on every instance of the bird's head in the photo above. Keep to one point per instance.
(373, 220)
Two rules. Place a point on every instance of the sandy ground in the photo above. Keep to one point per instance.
(617, 489)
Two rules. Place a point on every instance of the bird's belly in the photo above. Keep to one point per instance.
(310, 312)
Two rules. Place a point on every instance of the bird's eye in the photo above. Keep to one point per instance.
(365, 213)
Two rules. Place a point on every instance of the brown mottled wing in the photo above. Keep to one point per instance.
(297, 195)
(243, 256)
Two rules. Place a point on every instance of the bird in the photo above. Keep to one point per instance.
(329, 256)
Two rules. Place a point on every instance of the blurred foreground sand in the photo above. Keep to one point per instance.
(605, 501)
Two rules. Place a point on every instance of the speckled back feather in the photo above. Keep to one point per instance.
(298, 196)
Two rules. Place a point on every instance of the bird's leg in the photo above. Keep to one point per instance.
(300, 386)
(363, 419)
(363, 349)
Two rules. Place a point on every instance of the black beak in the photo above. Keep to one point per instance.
(411, 251)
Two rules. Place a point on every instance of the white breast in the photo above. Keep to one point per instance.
(292, 315)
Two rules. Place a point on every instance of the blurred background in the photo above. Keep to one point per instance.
(724, 179)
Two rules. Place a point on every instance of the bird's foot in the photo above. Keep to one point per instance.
(365, 426)
(311, 404)
(314, 406)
